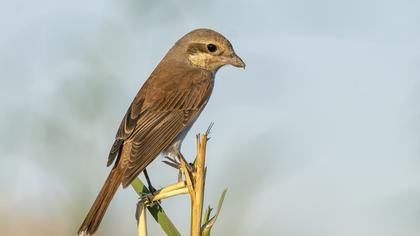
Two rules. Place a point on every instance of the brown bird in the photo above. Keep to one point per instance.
(163, 111)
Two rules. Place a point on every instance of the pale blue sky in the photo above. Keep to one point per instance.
(318, 136)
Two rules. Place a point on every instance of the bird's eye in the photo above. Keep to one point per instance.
(211, 47)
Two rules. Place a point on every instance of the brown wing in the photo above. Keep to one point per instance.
(128, 124)
(167, 108)
(158, 126)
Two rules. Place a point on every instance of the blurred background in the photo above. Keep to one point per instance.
(319, 136)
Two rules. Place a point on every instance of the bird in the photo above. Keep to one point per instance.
(163, 111)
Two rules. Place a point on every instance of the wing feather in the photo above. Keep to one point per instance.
(128, 123)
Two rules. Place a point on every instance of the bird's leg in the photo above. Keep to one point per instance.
(173, 162)
(183, 167)
(149, 183)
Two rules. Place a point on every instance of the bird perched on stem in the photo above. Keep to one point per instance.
(163, 111)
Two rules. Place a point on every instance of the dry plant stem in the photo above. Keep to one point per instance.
(193, 184)
(172, 187)
(142, 224)
(167, 194)
(195, 178)
(198, 180)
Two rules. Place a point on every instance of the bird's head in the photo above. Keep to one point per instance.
(209, 50)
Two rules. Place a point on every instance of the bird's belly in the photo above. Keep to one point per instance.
(175, 146)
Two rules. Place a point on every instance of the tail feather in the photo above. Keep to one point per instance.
(97, 211)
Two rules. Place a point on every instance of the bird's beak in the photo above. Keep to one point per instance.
(236, 61)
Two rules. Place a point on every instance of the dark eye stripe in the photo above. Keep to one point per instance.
(196, 47)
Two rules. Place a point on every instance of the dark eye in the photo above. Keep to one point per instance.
(211, 47)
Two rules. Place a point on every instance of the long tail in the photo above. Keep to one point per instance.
(97, 211)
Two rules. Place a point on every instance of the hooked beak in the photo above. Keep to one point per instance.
(236, 61)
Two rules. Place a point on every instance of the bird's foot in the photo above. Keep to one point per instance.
(149, 199)
(172, 162)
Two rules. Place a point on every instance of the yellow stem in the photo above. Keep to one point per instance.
(199, 180)
(169, 194)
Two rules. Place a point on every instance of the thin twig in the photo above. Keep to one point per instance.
(209, 130)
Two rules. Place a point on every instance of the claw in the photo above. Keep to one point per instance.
(147, 199)
(171, 159)
(172, 162)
